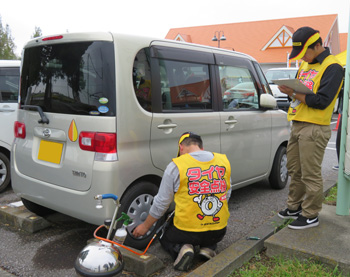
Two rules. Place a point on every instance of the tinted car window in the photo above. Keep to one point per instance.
(184, 86)
(265, 85)
(142, 79)
(9, 85)
(71, 78)
(238, 88)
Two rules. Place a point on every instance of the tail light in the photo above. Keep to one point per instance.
(20, 130)
(103, 144)
(52, 38)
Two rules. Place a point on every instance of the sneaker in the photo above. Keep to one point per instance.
(303, 222)
(335, 167)
(287, 213)
(184, 259)
(206, 253)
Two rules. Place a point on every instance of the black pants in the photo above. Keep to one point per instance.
(173, 239)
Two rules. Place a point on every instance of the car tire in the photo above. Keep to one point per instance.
(36, 208)
(136, 203)
(279, 173)
(5, 176)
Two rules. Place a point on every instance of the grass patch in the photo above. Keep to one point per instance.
(261, 265)
(331, 197)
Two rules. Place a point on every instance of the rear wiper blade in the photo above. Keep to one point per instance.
(43, 119)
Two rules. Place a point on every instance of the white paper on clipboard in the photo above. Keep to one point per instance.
(294, 84)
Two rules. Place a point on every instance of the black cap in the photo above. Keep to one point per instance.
(302, 39)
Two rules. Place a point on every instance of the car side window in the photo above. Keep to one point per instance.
(263, 80)
(142, 79)
(9, 85)
(184, 86)
(238, 88)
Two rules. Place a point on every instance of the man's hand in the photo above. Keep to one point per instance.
(289, 91)
(286, 90)
(140, 230)
(144, 227)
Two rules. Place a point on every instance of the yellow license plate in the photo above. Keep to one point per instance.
(50, 151)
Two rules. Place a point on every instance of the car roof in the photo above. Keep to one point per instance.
(10, 63)
(88, 36)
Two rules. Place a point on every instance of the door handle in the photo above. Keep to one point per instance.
(231, 121)
(167, 126)
(7, 110)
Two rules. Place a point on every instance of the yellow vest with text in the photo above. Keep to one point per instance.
(310, 75)
(201, 200)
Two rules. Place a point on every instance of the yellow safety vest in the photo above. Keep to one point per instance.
(201, 200)
(310, 75)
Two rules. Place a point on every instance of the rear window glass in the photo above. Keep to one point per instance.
(185, 86)
(9, 84)
(142, 79)
(280, 74)
(70, 78)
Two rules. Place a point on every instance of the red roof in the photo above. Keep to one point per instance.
(251, 37)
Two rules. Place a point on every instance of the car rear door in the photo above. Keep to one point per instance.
(183, 101)
(73, 85)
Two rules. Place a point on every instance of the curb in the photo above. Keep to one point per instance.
(144, 265)
(21, 218)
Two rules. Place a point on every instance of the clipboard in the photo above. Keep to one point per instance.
(294, 84)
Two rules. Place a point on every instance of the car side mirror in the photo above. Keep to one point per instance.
(267, 101)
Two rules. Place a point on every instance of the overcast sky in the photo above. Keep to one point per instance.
(152, 17)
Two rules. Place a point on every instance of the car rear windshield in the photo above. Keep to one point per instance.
(9, 84)
(70, 78)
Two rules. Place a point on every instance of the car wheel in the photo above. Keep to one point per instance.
(279, 173)
(136, 203)
(5, 175)
(36, 208)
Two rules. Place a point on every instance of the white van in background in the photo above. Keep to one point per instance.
(9, 87)
(280, 73)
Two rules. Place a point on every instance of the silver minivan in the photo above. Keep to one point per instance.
(9, 87)
(102, 113)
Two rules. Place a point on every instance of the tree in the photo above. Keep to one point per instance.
(7, 45)
(37, 32)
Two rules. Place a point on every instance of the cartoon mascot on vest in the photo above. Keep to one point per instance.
(210, 205)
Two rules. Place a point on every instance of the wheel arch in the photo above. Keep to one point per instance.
(5, 151)
(155, 179)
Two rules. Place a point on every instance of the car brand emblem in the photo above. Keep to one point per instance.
(46, 133)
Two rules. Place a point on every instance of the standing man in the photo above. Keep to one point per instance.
(311, 116)
(199, 183)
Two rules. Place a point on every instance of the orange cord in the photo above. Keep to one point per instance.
(116, 243)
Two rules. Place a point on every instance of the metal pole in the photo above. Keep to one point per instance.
(343, 194)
